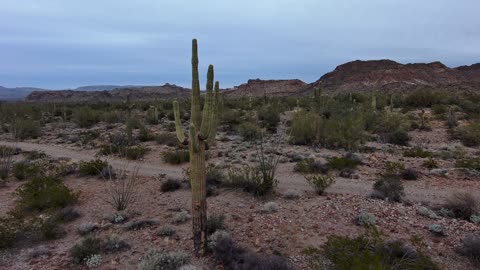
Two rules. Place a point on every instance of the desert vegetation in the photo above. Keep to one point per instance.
(370, 180)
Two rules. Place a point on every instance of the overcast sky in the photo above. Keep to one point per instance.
(64, 44)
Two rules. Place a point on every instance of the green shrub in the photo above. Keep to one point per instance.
(338, 163)
(24, 170)
(366, 253)
(417, 151)
(156, 259)
(9, 229)
(87, 247)
(249, 131)
(135, 152)
(145, 135)
(215, 222)
(319, 182)
(170, 185)
(393, 169)
(168, 139)
(27, 129)
(309, 165)
(390, 188)
(249, 179)
(469, 135)
(176, 156)
(86, 117)
(463, 205)
(42, 193)
(471, 248)
(398, 137)
(430, 163)
(365, 219)
(304, 128)
(471, 163)
(93, 167)
(424, 98)
(270, 117)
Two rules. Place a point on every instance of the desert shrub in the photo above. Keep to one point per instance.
(249, 131)
(304, 128)
(87, 247)
(159, 259)
(309, 165)
(25, 170)
(86, 117)
(365, 252)
(115, 243)
(471, 163)
(410, 174)
(49, 228)
(365, 219)
(269, 207)
(27, 129)
(270, 117)
(215, 222)
(135, 152)
(168, 139)
(291, 195)
(424, 98)
(343, 130)
(471, 247)
(430, 163)
(181, 217)
(417, 151)
(87, 228)
(398, 137)
(469, 135)
(9, 229)
(43, 193)
(233, 257)
(144, 134)
(463, 205)
(177, 156)
(67, 214)
(166, 230)
(390, 188)
(119, 139)
(122, 189)
(247, 178)
(140, 224)
(93, 261)
(214, 176)
(93, 167)
(6, 157)
(393, 169)
(338, 163)
(319, 182)
(170, 185)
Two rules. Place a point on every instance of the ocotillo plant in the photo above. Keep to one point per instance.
(202, 130)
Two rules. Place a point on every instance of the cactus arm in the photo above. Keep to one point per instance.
(195, 107)
(193, 138)
(215, 112)
(178, 125)
(207, 109)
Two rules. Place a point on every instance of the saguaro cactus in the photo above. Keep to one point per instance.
(202, 131)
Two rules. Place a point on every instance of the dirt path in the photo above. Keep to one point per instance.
(417, 191)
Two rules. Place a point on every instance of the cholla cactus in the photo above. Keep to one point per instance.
(202, 131)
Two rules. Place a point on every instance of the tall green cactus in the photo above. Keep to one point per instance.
(202, 131)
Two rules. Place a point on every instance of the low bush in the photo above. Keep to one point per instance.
(390, 188)
(176, 156)
(26, 170)
(170, 185)
(9, 230)
(410, 174)
(417, 151)
(430, 163)
(365, 219)
(249, 179)
(471, 163)
(249, 131)
(366, 252)
(309, 165)
(159, 259)
(269, 207)
(338, 163)
(135, 152)
(140, 224)
(304, 128)
(463, 205)
(168, 139)
(471, 248)
(469, 135)
(87, 247)
(144, 135)
(181, 217)
(115, 243)
(27, 129)
(319, 182)
(398, 137)
(215, 222)
(93, 167)
(43, 193)
(393, 169)
(166, 231)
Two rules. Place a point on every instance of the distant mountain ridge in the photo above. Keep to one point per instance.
(355, 76)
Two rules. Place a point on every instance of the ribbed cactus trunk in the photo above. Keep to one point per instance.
(202, 131)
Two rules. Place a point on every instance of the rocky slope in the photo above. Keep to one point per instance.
(387, 75)
(124, 94)
(266, 88)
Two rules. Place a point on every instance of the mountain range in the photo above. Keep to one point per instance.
(355, 76)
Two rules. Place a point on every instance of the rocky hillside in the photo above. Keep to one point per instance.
(123, 94)
(387, 75)
(266, 88)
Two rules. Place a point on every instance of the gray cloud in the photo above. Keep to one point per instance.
(62, 44)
